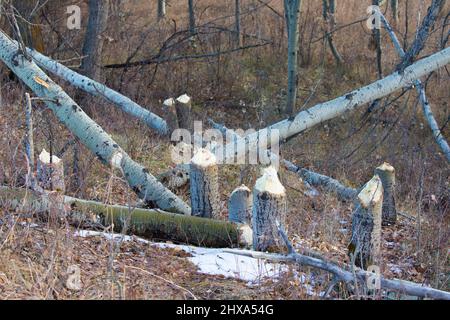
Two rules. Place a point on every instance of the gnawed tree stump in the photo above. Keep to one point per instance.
(386, 172)
(205, 201)
(148, 223)
(365, 243)
(170, 114)
(50, 172)
(240, 205)
(269, 206)
(183, 106)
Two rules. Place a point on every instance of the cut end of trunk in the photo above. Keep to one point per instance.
(44, 157)
(204, 159)
(372, 192)
(269, 182)
(386, 167)
(116, 160)
(169, 102)
(184, 99)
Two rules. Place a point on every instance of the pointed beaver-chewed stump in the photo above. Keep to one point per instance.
(240, 205)
(365, 244)
(269, 205)
(205, 201)
(386, 172)
(50, 172)
(183, 105)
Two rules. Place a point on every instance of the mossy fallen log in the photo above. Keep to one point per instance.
(146, 223)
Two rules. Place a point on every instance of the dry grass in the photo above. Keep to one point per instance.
(245, 90)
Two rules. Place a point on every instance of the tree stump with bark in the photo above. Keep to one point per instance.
(386, 172)
(183, 106)
(50, 172)
(365, 244)
(269, 206)
(205, 200)
(240, 205)
(170, 114)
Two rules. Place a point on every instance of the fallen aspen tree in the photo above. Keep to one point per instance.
(329, 110)
(100, 90)
(437, 134)
(146, 186)
(344, 273)
(147, 223)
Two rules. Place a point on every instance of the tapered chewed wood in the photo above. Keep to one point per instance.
(240, 205)
(204, 174)
(269, 206)
(365, 244)
(386, 172)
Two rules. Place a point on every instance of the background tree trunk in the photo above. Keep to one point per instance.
(191, 17)
(237, 24)
(292, 12)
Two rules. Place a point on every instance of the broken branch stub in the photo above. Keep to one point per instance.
(386, 172)
(269, 206)
(240, 205)
(204, 174)
(365, 244)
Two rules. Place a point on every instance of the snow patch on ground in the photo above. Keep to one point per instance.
(217, 262)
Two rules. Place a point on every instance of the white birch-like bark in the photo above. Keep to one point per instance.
(328, 110)
(437, 134)
(269, 206)
(204, 174)
(292, 12)
(100, 90)
(88, 131)
(240, 205)
(365, 244)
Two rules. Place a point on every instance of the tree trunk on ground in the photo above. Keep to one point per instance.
(98, 89)
(50, 172)
(204, 174)
(365, 244)
(269, 206)
(87, 131)
(329, 110)
(151, 224)
(292, 12)
(240, 206)
(386, 172)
